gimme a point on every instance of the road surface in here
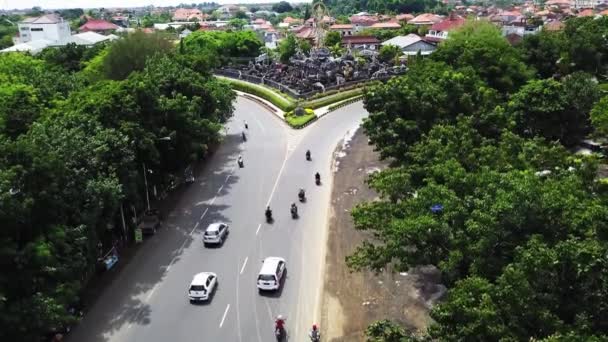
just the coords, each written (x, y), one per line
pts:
(148, 301)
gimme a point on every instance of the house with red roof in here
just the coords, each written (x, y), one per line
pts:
(189, 14)
(344, 29)
(425, 19)
(586, 13)
(361, 22)
(99, 26)
(361, 42)
(389, 25)
(404, 17)
(440, 30)
(293, 21)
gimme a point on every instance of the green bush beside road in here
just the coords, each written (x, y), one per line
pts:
(296, 121)
(276, 99)
(326, 101)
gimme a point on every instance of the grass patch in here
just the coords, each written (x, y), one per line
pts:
(603, 87)
(296, 121)
(327, 100)
(285, 104)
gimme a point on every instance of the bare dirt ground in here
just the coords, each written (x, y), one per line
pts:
(353, 300)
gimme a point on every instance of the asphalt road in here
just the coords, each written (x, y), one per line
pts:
(148, 300)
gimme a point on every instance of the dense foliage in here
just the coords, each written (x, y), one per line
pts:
(482, 187)
(213, 47)
(71, 153)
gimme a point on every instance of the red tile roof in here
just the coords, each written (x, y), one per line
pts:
(290, 20)
(360, 40)
(426, 18)
(387, 25)
(305, 33)
(363, 20)
(98, 25)
(404, 17)
(448, 24)
(586, 13)
(341, 27)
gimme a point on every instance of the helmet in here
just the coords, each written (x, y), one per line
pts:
(314, 327)
(280, 317)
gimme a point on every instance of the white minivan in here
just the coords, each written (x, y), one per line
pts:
(271, 274)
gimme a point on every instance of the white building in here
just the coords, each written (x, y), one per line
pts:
(48, 27)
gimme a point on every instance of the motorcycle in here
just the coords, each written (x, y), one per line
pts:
(318, 179)
(268, 215)
(308, 155)
(279, 333)
(294, 212)
(240, 161)
(314, 337)
(244, 137)
(302, 196)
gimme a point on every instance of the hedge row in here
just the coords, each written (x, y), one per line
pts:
(335, 91)
(344, 103)
(325, 101)
(284, 104)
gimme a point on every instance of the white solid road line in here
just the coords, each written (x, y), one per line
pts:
(227, 178)
(220, 189)
(276, 183)
(204, 213)
(193, 229)
(258, 230)
(224, 317)
(213, 200)
(244, 264)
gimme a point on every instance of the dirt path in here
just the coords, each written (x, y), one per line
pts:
(351, 301)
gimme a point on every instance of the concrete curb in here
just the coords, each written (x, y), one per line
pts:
(265, 103)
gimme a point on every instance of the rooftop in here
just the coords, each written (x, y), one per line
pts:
(360, 40)
(403, 41)
(448, 24)
(44, 19)
(98, 25)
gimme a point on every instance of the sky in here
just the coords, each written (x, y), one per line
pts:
(11, 4)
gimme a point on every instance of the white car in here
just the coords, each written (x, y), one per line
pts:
(215, 233)
(272, 273)
(202, 286)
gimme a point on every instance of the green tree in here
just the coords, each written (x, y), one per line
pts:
(555, 110)
(287, 48)
(388, 53)
(304, 45)
(481, 45)
(131, 53)
(237, 24)
(19, 108)
(282, 7)
(543, 51)
(408, 106)
(241, 15)
(599, 117)
(332, 38)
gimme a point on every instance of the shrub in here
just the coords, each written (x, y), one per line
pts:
(284, 104)
(296, 121)
(327, 100)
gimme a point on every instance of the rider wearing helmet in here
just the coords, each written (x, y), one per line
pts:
(314, 333)
(280, 322)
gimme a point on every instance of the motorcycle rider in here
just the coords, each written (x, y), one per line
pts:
(279, 323)
(244, 136)
(307, 154)
(268, 212)
(246, 125)
(318, 177)
(294, 208)
(301, 194)
(240, 160)
(314, 334)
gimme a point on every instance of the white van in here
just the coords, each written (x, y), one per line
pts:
(271, 274)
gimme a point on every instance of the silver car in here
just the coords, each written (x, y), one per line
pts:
(215, 234)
